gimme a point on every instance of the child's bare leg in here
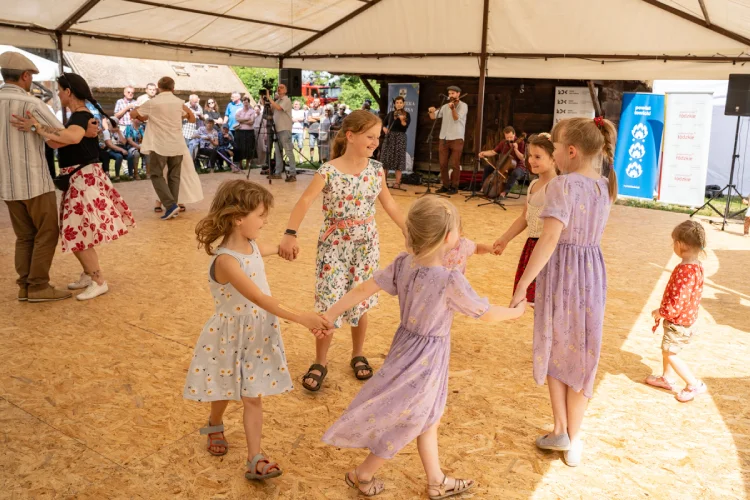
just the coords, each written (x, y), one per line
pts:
(216, 418)
(365, 472)
(558, 398)
(682, 369)
(427, 444)
(669, 372)
(252, 419)
(358, 341)
(576, 405)
(321, 357)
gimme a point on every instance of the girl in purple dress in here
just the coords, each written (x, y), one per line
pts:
(572, 281)
(406, 398)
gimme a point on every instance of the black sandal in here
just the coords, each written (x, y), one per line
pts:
(364, 368)
(318, 379)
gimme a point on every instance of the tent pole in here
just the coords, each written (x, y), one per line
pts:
(594, 99)
(482, 80)
(60, 61)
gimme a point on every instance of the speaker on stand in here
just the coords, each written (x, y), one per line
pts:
(292, 78)
(738, 104)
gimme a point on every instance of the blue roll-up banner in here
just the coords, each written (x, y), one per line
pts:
(410, 93)
(639, 144)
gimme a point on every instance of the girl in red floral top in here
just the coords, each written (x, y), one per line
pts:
(679, 310)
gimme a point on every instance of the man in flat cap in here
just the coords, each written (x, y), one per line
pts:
(452, 131)
(25, 182)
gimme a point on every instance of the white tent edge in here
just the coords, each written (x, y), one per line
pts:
(323, 50)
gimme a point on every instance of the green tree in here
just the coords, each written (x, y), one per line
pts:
(253, 77)
(354, 92)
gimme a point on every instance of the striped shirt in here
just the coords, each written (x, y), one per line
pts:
(23, 167)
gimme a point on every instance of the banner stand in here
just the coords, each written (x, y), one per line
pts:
(638, 144)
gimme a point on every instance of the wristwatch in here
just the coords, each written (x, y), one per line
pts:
(291, 232)
(33, 128)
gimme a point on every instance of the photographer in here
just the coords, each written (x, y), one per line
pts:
(282, 118)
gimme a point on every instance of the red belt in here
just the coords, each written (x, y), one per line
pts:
(334, 224)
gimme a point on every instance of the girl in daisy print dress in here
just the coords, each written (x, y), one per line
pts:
(240, 354)
(348, 244)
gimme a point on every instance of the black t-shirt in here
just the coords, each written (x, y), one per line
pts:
(86, 151)
(395, 123)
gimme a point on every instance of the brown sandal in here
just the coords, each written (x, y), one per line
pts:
(318, 379)
(364, 367)
(213, 441)
(372, 487)
(461, 486)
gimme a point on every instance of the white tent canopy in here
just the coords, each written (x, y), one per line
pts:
(580, 39)
(48, 70)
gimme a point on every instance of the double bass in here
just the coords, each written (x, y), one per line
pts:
(491, 186)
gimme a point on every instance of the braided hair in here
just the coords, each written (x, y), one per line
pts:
(79, 88)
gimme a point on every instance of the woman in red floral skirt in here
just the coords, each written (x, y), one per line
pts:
(92, 211)
(540, 159)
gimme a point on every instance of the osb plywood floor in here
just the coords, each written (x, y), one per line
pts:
(90, 393)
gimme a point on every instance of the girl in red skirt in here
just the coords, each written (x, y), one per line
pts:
(540, 150)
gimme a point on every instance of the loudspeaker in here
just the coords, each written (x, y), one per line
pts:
(292, 78)
(738, 96)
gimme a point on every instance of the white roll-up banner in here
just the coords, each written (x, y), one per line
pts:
(687, 133)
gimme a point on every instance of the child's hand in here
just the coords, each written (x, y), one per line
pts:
(521, 308)
(656, 315)
(499, 246)
(321, 334)
(288, 248)
(483, 248)
(518, 298)
(314, 322)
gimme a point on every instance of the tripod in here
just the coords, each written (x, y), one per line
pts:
(429, 164)
(728, 188)
(473, 183)
(270, 137)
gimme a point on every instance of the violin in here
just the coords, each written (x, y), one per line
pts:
(453, 101)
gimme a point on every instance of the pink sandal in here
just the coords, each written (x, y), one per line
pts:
(659, 382)
(689, 392)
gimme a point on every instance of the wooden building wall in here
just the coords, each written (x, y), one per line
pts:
(528, 109)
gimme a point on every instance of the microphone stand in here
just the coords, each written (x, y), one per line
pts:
(429, 164)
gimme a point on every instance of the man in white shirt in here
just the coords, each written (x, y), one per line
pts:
(25, 182)
(164, 143)
(451, 138)
(282, 120)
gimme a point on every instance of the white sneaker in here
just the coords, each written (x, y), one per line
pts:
(93, 290)
(83, 282)
(572, 457)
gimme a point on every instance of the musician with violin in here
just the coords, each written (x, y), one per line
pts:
(515, 149)
(452, 131)
(393, 154)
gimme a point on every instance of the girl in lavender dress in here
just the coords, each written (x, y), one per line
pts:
(572, 280)
(406, 398)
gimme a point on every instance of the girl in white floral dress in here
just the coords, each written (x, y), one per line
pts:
(240, 354)
(348, 245)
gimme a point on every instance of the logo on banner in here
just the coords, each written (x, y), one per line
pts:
(639, 132)
(637, 151)
(634, 170)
